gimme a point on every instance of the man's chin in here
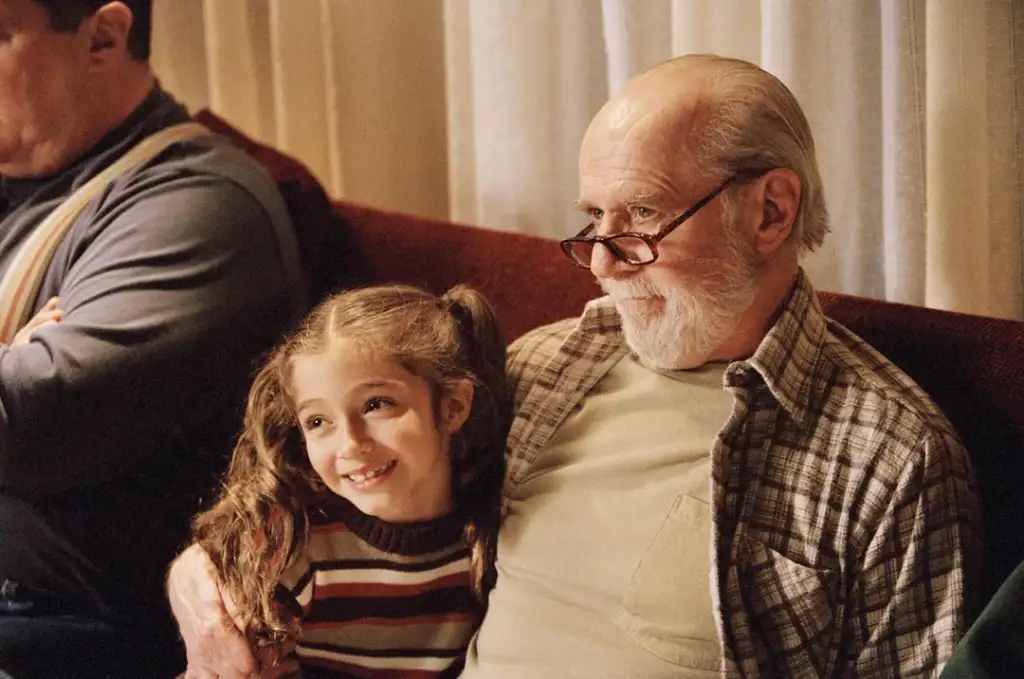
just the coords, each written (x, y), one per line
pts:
(662, 348)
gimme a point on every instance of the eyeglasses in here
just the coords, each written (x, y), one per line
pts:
(632, 247)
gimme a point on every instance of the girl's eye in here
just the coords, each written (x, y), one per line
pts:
(314, 422)
(377, 403)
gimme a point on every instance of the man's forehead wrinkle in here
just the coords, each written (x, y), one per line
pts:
(640, 144)
(630, 119)
(639, 135)
(631, 185)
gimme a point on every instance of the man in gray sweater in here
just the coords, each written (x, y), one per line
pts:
(116, 414)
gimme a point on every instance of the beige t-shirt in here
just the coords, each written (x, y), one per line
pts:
(604, 557)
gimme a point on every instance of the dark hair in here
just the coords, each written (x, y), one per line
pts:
(67, 15)
(259, 524)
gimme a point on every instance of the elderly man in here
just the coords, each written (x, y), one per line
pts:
(119, 399)
(707, 478)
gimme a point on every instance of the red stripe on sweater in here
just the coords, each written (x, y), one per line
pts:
(453, 617)
(389, 590)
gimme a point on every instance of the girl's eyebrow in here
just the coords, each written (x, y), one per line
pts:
(307, 403)
(361, 386)
(380, 382)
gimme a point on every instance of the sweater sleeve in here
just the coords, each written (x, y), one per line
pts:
(169, 295)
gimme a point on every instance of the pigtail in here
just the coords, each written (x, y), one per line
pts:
(258, 524)
(478, 451)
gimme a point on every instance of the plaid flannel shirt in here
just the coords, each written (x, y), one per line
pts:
(843, 506)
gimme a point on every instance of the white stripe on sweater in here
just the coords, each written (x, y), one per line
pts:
(394, 663)
(386, 576)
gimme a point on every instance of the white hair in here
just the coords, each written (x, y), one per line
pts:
(753, 123)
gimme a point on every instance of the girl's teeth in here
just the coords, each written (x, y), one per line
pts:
(360, 478)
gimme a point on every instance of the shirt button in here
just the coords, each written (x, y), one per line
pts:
(739, 376)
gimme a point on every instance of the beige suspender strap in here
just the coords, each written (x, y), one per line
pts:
(20, 284)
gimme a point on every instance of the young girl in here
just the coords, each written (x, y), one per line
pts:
(360, 509)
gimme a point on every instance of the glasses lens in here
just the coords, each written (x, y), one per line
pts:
(579, 251)
(632, 249)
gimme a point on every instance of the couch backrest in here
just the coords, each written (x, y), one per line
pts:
(527, 278)
(972, 366)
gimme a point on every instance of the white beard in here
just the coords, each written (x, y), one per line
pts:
(691, 321)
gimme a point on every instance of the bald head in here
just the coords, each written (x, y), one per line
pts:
(656, 112)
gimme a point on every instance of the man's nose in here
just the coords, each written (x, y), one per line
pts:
(605, 265)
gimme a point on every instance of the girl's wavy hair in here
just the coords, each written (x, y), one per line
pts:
(259, 523)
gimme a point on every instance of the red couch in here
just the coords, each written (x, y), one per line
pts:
(972, 366)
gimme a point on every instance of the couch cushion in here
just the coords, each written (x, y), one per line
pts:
(307, 202)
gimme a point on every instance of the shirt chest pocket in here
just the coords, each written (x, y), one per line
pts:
(791, 607)
(666, 608)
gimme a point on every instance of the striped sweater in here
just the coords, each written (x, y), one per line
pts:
(379, 600)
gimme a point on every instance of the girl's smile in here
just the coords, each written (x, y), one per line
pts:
(366, 478)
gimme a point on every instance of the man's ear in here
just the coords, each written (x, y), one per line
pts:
(778, 199)
(109, 27)
(455, 406)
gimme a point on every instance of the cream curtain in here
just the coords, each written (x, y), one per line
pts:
(354, 88)
(473, 110)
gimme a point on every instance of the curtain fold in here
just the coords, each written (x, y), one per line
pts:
(904, 150)
(474, 109)
(534, 81)
(728, 27)
(354, 89)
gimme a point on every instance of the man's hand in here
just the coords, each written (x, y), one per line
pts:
(214, 646)
(48, 315)
(279, 661)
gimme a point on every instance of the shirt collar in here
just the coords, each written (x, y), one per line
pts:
(600, 318)
(787, 358)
